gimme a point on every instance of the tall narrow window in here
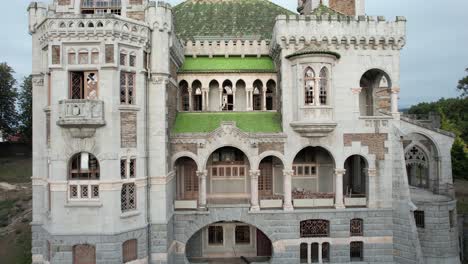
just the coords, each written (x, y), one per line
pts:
(71, 57)
(184, 97)
(323, 86)
(129, 250)
(83, 57)
(128, 197)
(132, 60)
(303, 253)
(417, 167)
(419, 219)
(309, 79)
(109, 53)
(326, 252)
(356, 251)
(123, 59)
(127, 86)
(452, 218)
(215, 235)
(56, 54)
(95, 57)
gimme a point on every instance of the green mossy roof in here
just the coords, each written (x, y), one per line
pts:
(227, 19)
(251, 122)
(231, 64)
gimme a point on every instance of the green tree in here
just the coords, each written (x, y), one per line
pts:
(463, 85)
(25, 106)
(8, 115)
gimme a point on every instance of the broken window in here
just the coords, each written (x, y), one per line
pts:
(84, 85)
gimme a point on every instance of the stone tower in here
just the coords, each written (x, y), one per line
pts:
(349, 7)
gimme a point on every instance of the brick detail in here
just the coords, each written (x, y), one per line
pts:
(375, 142)
(128, 130)
(262, 147)
(109, 53)
(185, 147)
(383, 99)
(63, 2)
(137, 15)
(347, 7)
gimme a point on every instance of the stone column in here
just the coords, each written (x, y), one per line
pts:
(254, 174)
(205, 99)
(264, 100)
(317, 91)
(395, 93)
(320, 253)
(287, 188)
(190, 100)
(202, 189)
(371, 188)
(220, 103)
(249, 99)
(339, 188)
(233, 99)
(357, 109)
(309, 253)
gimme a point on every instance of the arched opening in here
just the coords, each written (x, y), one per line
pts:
(309, 86)
(197, 96)
(355, 178)
(227, 99)
(313, 178)
(184, 96)
(229, 242)
(83, 177)
(323, 83)
(270, 180)
(228, 177)
(271, 95)
(375, 95)
(422, 163)
(213, 102)
(241, 96)
(257, 95)
(186, 179)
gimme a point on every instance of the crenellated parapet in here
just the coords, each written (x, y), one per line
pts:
(339, 32)
(219, 47)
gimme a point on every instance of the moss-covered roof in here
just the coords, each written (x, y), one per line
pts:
(251, 122)
(227, 19)
(231, 64)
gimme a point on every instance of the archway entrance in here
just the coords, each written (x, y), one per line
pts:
(355, 178)
(186, 179)
(229, 242)
(375, 94)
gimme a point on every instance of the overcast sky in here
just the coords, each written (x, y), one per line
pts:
(432, 62)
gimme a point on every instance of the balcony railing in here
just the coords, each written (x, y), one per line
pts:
(101, 4)
(81, 113)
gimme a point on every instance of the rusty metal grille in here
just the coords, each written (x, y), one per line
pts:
(84, 254)
(128, 197)
(315, 228)
(356, 251)
(242, 235)
(123, 168)
(132, 172)
(76, 82)
(129, 250)
(132, 61)
(123, 59)
(94, 191)
(356, 227)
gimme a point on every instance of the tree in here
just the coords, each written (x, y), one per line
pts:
(25, 106)
(8, 115)
(463, 85)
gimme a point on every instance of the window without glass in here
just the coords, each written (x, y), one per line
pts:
(127, 87)
(323, 86)
(84, 166)
(356, 251)
(309, 86)
(419, 219)
(129, 250)
(128, 197)
(215, 235)
(242, 235)
(417, 167)
(84, 85)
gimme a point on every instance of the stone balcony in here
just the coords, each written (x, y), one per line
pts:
(81, 116)
(315, 121)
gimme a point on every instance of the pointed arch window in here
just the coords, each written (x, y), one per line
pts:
(309, 89)
(323, 86)
(417, 167)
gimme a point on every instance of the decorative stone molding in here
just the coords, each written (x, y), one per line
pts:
(254, 174)
(38, 80)
(395, 90)
(372, 172)
(313, 129)
(375, 142)
(356, 90)
(82, 117)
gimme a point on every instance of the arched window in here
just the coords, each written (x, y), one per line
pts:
(417, 167)
(356, 227)
(270, 95)
(71, 57)
(130, 250)
(323, 86)
(95, 56)
(83, 56)
(197, 96)
(257, 95)
(83, 176)
(309, 86)
(184, 96)
(227, 103)
(315, 228)
(128, 197)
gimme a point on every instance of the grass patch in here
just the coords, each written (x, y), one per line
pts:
(15, 169)
(16, 247)
(252, 122)
(5, 209)
(206, 64)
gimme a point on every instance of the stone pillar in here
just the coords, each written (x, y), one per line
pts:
(371, 188)
(233, 99)
(317, 91)
(264, 100)
(220, 104)
(287, 188)
(205, 99)
(190, 100)
(309, 253)
(339, 188)
(202, 189)
(395, 93)
(249, 99)
(254, 174)
(357, 109)
(320, 253)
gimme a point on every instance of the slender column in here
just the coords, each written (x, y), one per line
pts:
(202, 189)
(206, 103)
(287, 188)
(254, 174)
(264, 100)
(249, 99)
(371, 187)
(395, 93)
(320, 253)
(190, 100)
(309, 253)
(339, 188)
(233, 99)
(356, 93)
(317, 92)
(220, 104)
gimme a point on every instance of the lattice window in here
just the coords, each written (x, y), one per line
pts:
(242, 235)
(309, 86)
(419, 219)
(129, 250)
(84, 191)
(84, 85)
(127, 87)
(356, 227)
(123, 59)
(128, 197)
(132, 60)
(356, 251)
(323, 86)
(123, 168)
(326, 252)
(315, 228)
(215, 235)
(94, 191)
(132, 169)
(73, 191)
(84, 254)
(76, 85)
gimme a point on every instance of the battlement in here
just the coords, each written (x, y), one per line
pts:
(227, 47)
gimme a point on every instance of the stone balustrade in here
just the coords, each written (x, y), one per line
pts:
(81, 113)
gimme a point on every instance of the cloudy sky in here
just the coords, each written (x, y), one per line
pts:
(432, 62)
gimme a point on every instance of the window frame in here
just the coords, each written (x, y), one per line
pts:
(359, 245)
(127, 246)
(309, 224)
(125, 202)
(125, 88)
(216, 235)
(247, 239)
(420, 218)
